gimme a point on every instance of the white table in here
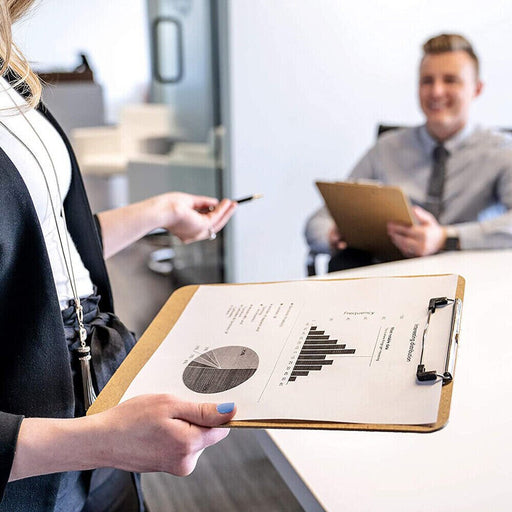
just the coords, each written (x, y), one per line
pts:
(466, 466)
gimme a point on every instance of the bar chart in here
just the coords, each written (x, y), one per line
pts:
(317, 352)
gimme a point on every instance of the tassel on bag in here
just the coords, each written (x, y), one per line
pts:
(84, 356)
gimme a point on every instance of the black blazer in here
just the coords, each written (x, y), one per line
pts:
(35, 376)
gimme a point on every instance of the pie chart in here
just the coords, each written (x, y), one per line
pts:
(220, 369)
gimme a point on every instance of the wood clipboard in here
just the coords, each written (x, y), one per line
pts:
(361, 212)
(157, 331)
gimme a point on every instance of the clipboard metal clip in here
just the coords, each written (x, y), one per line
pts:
(424, 375)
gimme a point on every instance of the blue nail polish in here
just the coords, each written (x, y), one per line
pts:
(226, 408)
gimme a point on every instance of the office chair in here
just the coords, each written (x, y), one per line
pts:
(382, 128)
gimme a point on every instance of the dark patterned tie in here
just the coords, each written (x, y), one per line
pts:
(434, 203)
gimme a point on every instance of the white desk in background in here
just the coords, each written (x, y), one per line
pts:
(466, 466)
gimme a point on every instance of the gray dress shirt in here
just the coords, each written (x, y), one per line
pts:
(477, 198)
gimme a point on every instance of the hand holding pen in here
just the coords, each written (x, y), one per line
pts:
(212, 208)
(212, 232)
(237, 201)
(193, 218)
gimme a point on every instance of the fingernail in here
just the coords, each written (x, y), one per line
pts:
(226, 408)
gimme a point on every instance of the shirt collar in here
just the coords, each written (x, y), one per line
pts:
(454, 142)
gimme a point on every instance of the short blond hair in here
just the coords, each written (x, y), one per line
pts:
(12, 58)
(451, 43)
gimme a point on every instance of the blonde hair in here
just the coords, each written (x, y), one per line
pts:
(13, 59)
(451, 43)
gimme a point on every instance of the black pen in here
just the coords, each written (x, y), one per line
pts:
(248, 198)
(241, 200)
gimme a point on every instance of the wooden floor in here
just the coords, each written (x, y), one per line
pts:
(232, 476)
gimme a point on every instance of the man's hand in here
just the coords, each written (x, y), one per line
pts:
(336, 242)
(422, 239)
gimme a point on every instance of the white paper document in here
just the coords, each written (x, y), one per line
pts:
(344, 350)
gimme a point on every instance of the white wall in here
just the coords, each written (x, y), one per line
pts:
(113, 33)
(309, 81)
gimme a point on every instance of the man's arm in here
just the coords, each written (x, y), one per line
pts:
(429, 237)
(188, 217)
(488, 234)
(494, 231)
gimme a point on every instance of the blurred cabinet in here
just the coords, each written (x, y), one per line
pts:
(149, 175)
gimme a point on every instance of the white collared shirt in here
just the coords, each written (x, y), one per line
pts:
(477, 198)
(43, 187)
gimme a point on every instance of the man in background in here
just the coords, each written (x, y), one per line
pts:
(457, 176)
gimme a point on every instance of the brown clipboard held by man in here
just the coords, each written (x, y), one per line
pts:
(361, 212)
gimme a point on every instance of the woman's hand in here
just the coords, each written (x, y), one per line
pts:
(160, 433)
(193, 218)
(146, 433)
(187, 216)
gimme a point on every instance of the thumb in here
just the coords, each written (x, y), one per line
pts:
(423, 216)
(205, 415)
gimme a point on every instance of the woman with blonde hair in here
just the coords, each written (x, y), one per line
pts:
(60, 341)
